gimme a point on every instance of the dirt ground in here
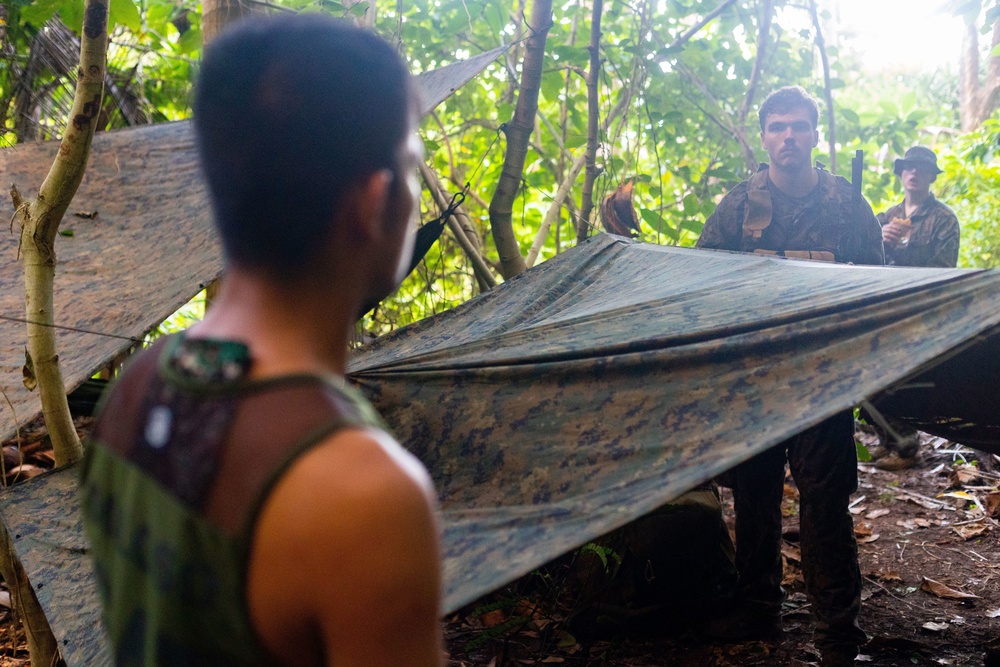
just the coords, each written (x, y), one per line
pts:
(929, 550)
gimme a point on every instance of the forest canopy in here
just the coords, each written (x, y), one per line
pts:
(675, 85)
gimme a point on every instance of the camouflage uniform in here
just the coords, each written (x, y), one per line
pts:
(823, 459)
(818, 221)
(933, 242)
(934, 236)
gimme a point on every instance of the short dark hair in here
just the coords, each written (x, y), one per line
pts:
(788, 99)
(289, 112)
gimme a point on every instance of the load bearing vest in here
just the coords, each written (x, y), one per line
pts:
(757, 214)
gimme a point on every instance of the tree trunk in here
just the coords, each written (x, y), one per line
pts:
(217, 14)
(518, 132)
(593, 123)
(42, 646)
(969, 78)
(827, 88)
(39, 222)
(978, 99)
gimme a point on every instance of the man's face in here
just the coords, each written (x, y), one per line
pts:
(917, 178)
(789, 139)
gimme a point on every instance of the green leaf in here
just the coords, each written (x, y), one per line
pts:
(721, 173)
(190, 41)
(996, 51)
(692, 225)
(124, 12)
(552, 86)
(573, 55)
(66, 232)
(863, 454)
(71, 13)
(850, 116)
(836, 83)
(359, 9)
(37, 13)
(505, 111)
(494, 15)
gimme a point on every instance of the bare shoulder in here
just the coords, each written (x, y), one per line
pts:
(352, 528)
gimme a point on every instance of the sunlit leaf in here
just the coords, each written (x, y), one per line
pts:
(126, 13)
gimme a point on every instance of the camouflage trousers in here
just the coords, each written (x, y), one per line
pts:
(823, 462)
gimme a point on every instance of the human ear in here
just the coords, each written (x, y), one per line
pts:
(369, 201)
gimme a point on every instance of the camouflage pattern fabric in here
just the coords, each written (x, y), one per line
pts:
(603, 383)
(43, 516)
(934, 236)
(819, 221)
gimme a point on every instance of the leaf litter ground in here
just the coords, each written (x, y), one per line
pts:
(929, 549)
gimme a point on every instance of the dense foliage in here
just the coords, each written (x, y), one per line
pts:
(677, 119)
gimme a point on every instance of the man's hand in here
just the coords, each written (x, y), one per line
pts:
(896, 231)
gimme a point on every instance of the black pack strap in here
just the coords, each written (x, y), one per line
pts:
(430, 232)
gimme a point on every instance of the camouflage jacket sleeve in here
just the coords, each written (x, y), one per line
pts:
(724, 228)
(944, 238)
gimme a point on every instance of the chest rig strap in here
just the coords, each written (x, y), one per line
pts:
(757, 213)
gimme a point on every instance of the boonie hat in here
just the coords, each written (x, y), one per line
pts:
(915, 156)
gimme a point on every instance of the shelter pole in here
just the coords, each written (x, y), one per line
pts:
(479, 266)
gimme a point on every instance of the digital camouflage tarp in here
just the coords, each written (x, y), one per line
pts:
(607, 381)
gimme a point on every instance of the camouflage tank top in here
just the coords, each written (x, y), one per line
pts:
(183, 453)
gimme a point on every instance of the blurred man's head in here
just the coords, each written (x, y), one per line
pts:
(301, 120)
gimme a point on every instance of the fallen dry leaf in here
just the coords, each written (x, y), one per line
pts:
(26, 471)
(870, 538)
(935, 627)
(991, 501)
(791, 553)
(942, 591)
(493, 618)
(888, 575)
(874, 514)
(993, 613)
(970, 530)
(862, 530)
(963, 474)
(914, 524)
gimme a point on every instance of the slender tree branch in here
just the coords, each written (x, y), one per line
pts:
(723, 120)
(555, 207)
(686, 36)
(593, 119)
(758, 61)
(827, 88)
